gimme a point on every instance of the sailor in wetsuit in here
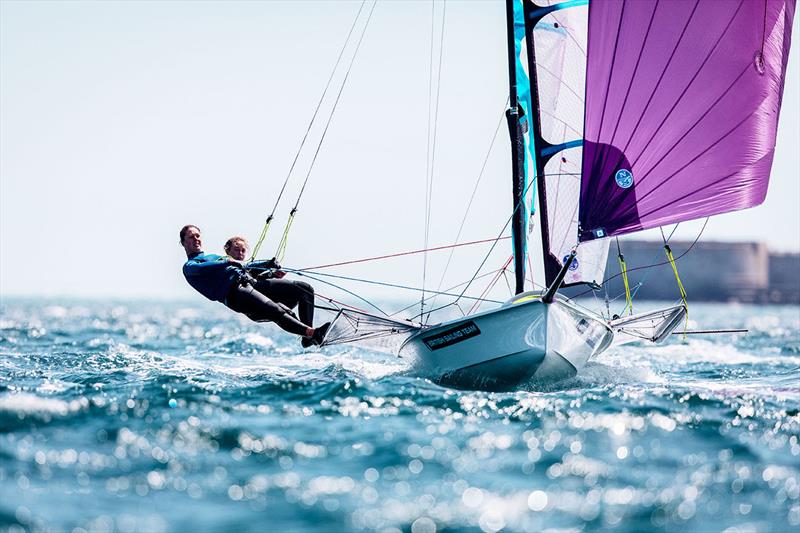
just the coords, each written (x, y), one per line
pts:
(269, 281)
(224, 279)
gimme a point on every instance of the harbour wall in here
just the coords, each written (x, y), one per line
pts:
(711, 271)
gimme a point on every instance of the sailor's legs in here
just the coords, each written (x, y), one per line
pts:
(245, 299)
(291, 294)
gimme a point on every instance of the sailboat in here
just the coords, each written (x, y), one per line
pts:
(623, 116)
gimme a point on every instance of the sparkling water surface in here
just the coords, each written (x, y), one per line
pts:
(180, 416)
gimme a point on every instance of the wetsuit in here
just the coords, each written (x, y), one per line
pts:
(291, 294)
(218, 279)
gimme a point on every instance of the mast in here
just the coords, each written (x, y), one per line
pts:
(530, 151)
(515, 129)
(542, 149)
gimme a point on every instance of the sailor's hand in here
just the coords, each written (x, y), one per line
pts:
(270, 274)
(273, 263)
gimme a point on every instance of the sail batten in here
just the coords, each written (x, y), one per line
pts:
(682, 110)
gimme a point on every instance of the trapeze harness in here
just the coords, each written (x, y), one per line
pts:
(261, 299)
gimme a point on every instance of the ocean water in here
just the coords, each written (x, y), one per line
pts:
(182, 417)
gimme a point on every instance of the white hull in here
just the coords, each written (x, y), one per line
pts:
(524, 340)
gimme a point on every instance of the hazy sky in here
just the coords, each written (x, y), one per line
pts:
(122, 121)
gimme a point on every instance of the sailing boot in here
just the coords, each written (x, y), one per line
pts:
(319, 333)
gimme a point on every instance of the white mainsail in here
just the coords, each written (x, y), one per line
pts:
(560, 45)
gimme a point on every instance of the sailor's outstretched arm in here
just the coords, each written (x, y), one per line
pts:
(269, 264)
(200, 268)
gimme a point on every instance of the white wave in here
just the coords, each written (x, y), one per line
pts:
(55, 311)
(738, 389)
(696, 351)
(371, 365)
(51, 386)
(259, 340)
(29, 404)
(607, 371)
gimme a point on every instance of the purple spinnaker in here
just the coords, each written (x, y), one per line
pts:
(682, 103)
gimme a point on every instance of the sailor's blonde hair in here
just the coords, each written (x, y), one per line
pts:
(233, 240)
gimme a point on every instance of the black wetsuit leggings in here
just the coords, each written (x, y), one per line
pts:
(272, 300)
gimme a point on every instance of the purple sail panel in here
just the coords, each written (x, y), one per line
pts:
(682, 102)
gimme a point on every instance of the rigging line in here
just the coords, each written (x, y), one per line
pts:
(530, 270)
(472, 197)
(505, 278)
(343, 306)
(406, 308)
(400, 254)
(428, 155)
(569, 31)
(578, 134)
(654, 264)
(351, 293)
(671, 233)
(433, 149)
(491, 284)
(560, 81)
(436, 107)
(508, 221)
(624, 271)
(681, 288)
(305, 136)
(330, 118)
(371, 282)
(641, 282)
(339, 305)
(621, 294)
